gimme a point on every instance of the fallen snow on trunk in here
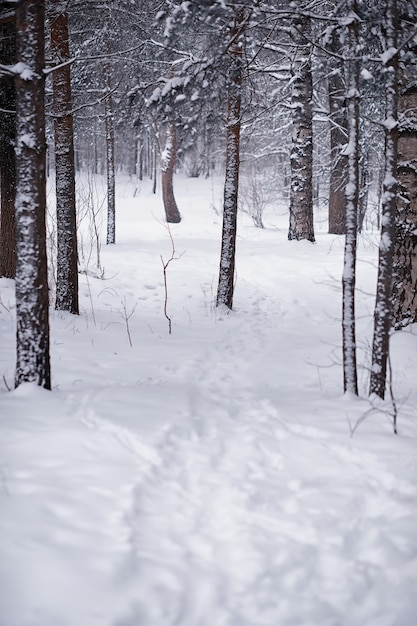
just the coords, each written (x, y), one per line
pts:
(208, 477)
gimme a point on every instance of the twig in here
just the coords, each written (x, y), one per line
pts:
(91, 299)
(126, 316)
(165, 267)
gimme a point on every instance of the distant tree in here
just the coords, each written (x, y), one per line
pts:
(110, 159)
(168, 161)
(301, 189)
(220, 63)
(32, 319)
(67, 258)
(7, 143)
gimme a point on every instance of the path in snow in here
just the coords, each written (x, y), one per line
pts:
(233, 529)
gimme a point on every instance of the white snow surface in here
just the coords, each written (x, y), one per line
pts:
(216, 476)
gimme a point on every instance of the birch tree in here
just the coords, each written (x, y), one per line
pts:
(32, 319)
(110, 160)
(231, 185)
(301, 188)
(350, 376)
(384, 302)
(67, 257)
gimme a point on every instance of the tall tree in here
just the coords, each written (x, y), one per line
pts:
(384, 303)
(111, 171)
(301, 189)
(338, 137)
(350, 375)
(231, 185)
(405, 258)
(109, 125)
(67, 257)
(32, 319)
(7, 141)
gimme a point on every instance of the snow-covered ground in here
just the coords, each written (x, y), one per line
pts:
(215, 476)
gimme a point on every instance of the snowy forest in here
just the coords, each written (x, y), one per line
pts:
(208, 309)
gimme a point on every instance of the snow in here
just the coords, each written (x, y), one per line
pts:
(217, 475)
(390, 123)
(388, 55)
(23, 70)
(366, 74)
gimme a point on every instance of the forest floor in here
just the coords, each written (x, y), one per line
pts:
(215, 476)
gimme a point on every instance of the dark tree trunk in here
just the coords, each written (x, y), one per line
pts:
(350, 376)
(405, 258)
(231, 185)
(363, 189)
(384, 306)
(67, 256)
(172, 213)
(338, 138)
(32, 320)
(301, 188)
(7, 146)
(154, 170)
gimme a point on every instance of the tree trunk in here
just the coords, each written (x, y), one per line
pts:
(67, 256)
(405, 258)
(301, 188)
(231, 185)
(363, 189)
(350, 376)
(7, 151)
(383, 306)
(338, 137)
(32, 320)
(169, 156)
(111, 178)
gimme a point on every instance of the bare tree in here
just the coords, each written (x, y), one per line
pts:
(301, 189)
(110, 143)
(32, 319)
(384, 303)
(350, 375)
(405, 257)
(67, 259)
(111, 177)
(231, 185)
(338, 137)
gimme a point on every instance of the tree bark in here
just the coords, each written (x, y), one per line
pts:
(32, 320)
(67, 255)
(111, 178)
(225, 289)
(405, 257)
(7, 146)
(338, 138)
(384, 305)
(169, 157)
(350, 376)
(301, 187)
